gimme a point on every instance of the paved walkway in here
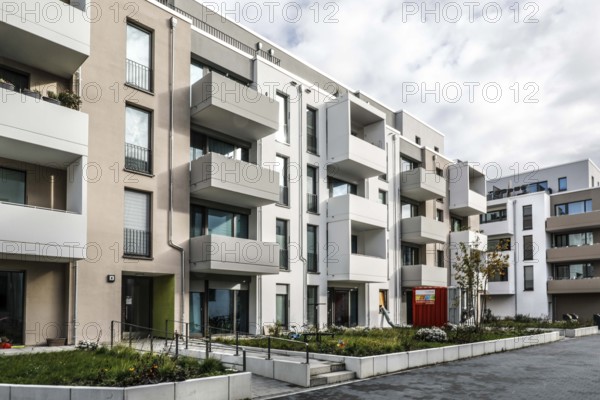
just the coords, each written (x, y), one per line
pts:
(569, 369)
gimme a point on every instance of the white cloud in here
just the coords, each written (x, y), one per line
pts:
(378, 48)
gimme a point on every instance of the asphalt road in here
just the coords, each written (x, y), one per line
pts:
(569, 369)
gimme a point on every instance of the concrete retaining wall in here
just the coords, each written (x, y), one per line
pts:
(225, 387)
(590, 330)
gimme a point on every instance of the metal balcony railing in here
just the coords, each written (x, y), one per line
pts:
(139, 75)
(138, 158)
(312, 202)
(137, 243)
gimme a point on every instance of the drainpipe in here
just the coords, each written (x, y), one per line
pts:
(74, 302)
(301, 207)
(171, 129)
(515, 260)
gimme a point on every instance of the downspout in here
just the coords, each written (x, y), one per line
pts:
(397, 235)
(514, 221)
(170, 213)
(301, 208)
(75, 302)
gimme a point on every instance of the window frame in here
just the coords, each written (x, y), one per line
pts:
(149, 221)
(382, 196)
(312, 190)
(283, 252)
(311, 110)
(528, 248)
(315, 255)
(284, 176)
(562, 180)
(527, 217)
(528, 284)
(19, 171)
(286, 113)
(150, 136)
(286, 311)
(150, 32)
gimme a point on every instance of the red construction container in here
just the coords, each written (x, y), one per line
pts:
(430, 306)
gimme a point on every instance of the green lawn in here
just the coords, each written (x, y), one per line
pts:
(103, 367)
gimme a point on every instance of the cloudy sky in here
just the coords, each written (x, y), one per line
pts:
(507, 82)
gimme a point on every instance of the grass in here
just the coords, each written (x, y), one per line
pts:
(119, 367)
(367, 342)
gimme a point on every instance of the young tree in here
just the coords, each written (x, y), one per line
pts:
(473, 269)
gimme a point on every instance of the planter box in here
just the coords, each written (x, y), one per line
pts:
(590, 330)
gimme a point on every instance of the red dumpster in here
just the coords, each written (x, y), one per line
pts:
(430, 306)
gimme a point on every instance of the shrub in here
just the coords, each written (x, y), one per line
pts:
(70, 100)
(431, 335)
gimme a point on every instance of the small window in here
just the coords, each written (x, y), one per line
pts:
(312, 197)
(439, 172)
(281, 236)
(312, 305)
(562, 184)
(592, 181)
(440, 258)
(281, 305)
(354, 244)
(311, 130)
(282, 135)
(439, 215)
(312, 248)
(383, 177)
(417, 140)
(383, 197)
(528, 278)
(282, 167)
(437, 149)
(455, 224)
(527, 218)
(528, 247)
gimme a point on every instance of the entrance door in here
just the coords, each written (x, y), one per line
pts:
(409, 307)
(342, 307)
(12, 300)
(137, 303)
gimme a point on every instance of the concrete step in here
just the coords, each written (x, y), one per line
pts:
(325, 367)
(332, 377)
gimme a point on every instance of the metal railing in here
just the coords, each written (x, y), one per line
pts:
(145, 338)
(137, 243)
(139, 75)
(138, 158)
(312, 202)
(284, 195)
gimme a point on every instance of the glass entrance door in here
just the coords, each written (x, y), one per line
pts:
(137, 303)
(12, 300)
(342, 307)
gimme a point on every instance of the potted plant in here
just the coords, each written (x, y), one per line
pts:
(70, 100)
(6, 84)
(51, 97)
(36, 94)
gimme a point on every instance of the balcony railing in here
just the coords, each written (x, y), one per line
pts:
(312, 261)
(139, 75)
(284, 259)
(312, 202)
(137, 243)
(311, 143)
(284, 195)
(138, 158)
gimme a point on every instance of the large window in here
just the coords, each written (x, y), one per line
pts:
(12, 186)
(210, 221)
(138, 154)
(574, 271)
(408, 164)
(201, 144)
(528, 277)
(281, 233)
(12, 305)
(283, 134)
(312, 197)
(527, 218)
(19, 79)
(576, 207)
(409, 210)
(410, 255)
(573, 239)
(138, 237)
(311, 130)
(139, 57)
(282, 305)
(455, 224)
(312, 305)
(340, 188)
(562, 184)
(312, 248)
(502, 244)
(500, 277)
(528, 247)
(282, 167)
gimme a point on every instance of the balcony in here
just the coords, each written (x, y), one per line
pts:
(224, 105)
(501, 227)
(424, 275)
(422, 185)
(361, 156)
(572, 286)
(51, 35)
(562, 223)
(38, 132)
(233, 256)
(467, 190)
(502, 288)
(357, 268)
(468, 237)
(574, 253)
(224, 180)
(423, 230)
(363, 213)
(471, 203)
(41, 234)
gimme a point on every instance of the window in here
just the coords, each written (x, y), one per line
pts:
(311, 130)
(500, 277)
(139, 57)
(573, 239)
(493, 216)
(503, 244)
(281, 233)
(383, 298)
(528, 278)
(138, 238)
(12, 186)
(576, 207)
(383, 177)
(312, 180)
(19, 79)
(196, 72)
(201, 144)
(562, 184)
(409, 210)
(417, 140)
(282, 167)
(527, 218)
(439, 172)
(574, 271)
(210, 221)
(407, 164)
(340, 188)
(312, 248)
(354, 244)
(528, 247)
(383, 197)
(592, 181)
(138, 155)
(440, 258)
(281, 303)
(282, 135)
(439, 215)
(410, 255)
(436, 149)
(312, 305)
(455, 224)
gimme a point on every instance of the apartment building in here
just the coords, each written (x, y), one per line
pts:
(544, 220)
(209, 177)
